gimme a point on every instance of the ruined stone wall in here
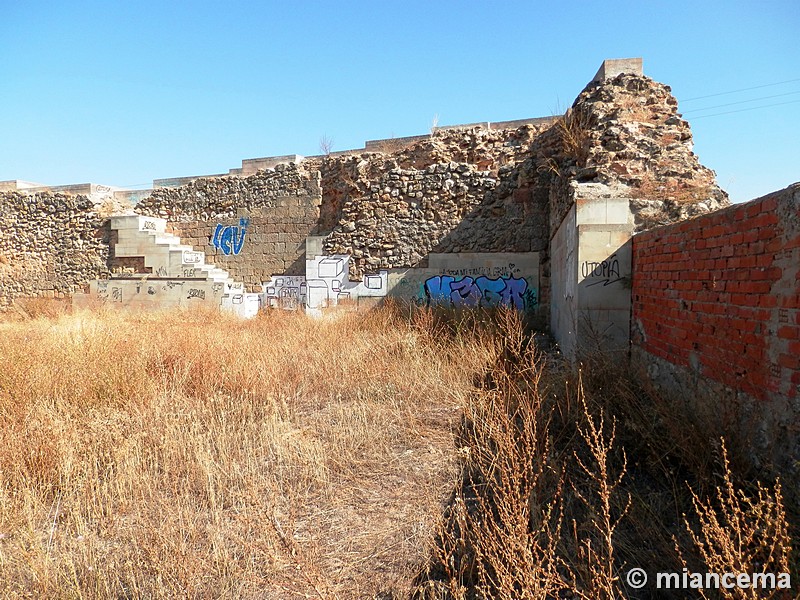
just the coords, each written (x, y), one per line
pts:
(490, 191)
(51, 245)
(624, 132)
(253, 227)
(631, 133)
(443, 208)
(453, 191)
(470, 191)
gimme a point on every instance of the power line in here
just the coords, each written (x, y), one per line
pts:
(745, 109)
(755, 87)
(744, 101)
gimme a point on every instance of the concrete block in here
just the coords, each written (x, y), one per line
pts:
(564, 284)
(612, 67)
(138, 223)
(603, 211)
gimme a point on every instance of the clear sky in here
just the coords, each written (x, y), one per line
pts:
(124, 93)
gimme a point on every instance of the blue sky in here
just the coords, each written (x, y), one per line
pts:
(123, 93)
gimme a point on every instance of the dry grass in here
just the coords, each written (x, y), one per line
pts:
(194, 455)
(175, 455)
(573, 129)
(25, 309)
(741, 534)
(666, 189)
(569, 480)
(633, 108)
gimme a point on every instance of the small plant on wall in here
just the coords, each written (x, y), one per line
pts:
(325, 145)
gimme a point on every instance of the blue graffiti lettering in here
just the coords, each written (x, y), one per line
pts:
(230, 238)
(514, 293)
(492, 290)
(466, 292)
(437, 289)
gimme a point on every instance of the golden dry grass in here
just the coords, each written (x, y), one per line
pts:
(430, 455)
(192, 455)
(560, 494)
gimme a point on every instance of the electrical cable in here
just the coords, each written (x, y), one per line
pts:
(743, 101)
(755, 87)
(745, 109)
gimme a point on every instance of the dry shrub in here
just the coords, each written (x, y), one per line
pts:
(737, 533)
(503, 534)
(601, 577)
(497, 537)
(573, 129)
(570, 478)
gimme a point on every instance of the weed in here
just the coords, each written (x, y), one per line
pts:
(548, 504)
(573, 129)
(740, 534)
(144, 458)
(179, 455)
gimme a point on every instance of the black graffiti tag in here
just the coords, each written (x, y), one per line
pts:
(606, 272)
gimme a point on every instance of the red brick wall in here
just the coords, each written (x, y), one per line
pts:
(719, 295)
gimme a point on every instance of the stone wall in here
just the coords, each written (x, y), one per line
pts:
(250, 226)
(466, 190)
(447, 207)
(452, 191)
(623, 157)
(51, 245)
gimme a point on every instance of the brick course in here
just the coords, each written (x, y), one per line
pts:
(718, 294)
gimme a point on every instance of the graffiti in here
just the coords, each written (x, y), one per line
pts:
(606, 272)
(195, 293)
(332, 267)
(463, 292)
(151, 290)
(325, 284)
(190, 257)
(116, 294)
(328, 283)
(493, 272)
(161, 271)
(189, 272)
(230, 238)
(467, 292)
(373, 282)
(287, 292)
(172, 284)
(148, 226)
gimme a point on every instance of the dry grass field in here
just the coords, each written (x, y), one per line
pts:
(167, 456)
(378, 455)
